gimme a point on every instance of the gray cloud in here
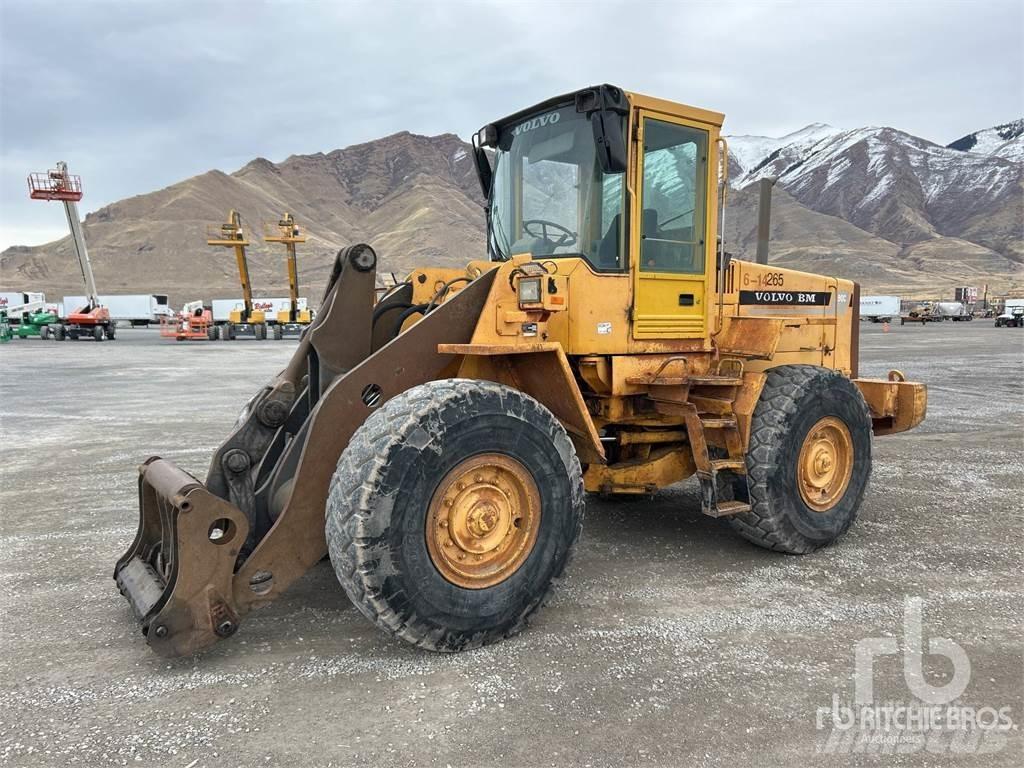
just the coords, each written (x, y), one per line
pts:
(138, 95)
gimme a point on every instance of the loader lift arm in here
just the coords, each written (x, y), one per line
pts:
(261, 508)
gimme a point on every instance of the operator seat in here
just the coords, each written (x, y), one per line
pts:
(608, 248)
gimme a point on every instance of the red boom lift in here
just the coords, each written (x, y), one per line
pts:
(92, 320)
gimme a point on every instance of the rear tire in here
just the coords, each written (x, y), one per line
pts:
(58, 332)
(111, 331)
(97, 333)
(278, 333)
(809, 424)
(396, 481)
(44, 332)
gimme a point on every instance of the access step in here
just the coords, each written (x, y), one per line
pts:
(718, 422)
(715, 381)
(731, 465)
(727, 508)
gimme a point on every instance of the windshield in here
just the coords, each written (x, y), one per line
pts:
(549, 196)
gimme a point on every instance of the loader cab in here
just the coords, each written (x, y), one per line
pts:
(624, 182)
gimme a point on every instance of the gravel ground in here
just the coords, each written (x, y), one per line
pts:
(672, 642)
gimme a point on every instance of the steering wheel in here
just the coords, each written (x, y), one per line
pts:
(565, 235)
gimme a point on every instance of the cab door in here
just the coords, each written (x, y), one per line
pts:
(670, 254)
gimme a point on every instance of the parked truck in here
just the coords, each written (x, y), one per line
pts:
(138, 309)
(879, 309)
(1012, 315)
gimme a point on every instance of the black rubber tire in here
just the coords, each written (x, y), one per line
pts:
(211, 333)
(112, 331)
(278, 333)
(44, 332)
(97, 332)
(58, 332)
(379, 499)
(794, 399)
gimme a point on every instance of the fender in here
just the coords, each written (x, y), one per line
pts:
(542, 371)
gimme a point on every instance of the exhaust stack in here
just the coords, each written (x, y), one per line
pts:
(764, 219)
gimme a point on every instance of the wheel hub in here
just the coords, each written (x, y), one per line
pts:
(825, 464)
(483, 521)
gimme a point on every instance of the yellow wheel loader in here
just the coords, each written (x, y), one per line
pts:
(439, 442)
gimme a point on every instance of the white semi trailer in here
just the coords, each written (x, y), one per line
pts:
(879, 309)
(11, 299)
(136, 308)
(270, 307)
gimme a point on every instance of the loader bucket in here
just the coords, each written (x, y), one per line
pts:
(208, 553)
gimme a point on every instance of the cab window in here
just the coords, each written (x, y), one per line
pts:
(673, 202)
(549, 195)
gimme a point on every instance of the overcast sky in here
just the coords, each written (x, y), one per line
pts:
(138, 95)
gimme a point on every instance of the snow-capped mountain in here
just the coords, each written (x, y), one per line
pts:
(747, 153)
(1006, 141)
(903, 188)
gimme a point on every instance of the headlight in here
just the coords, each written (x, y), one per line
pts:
(529, 290)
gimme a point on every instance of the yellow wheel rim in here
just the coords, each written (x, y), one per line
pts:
(483, 521)
(825, 464)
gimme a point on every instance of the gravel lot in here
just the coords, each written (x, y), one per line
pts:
(672, 642)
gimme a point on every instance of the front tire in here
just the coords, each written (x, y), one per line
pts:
(808, 460)
(453, 512)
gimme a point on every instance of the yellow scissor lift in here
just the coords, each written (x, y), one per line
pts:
(243, 321)
(292, 321)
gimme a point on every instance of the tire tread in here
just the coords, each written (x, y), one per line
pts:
(352, 500)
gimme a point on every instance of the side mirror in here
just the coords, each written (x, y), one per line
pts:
(480, 159)
(607, 108)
